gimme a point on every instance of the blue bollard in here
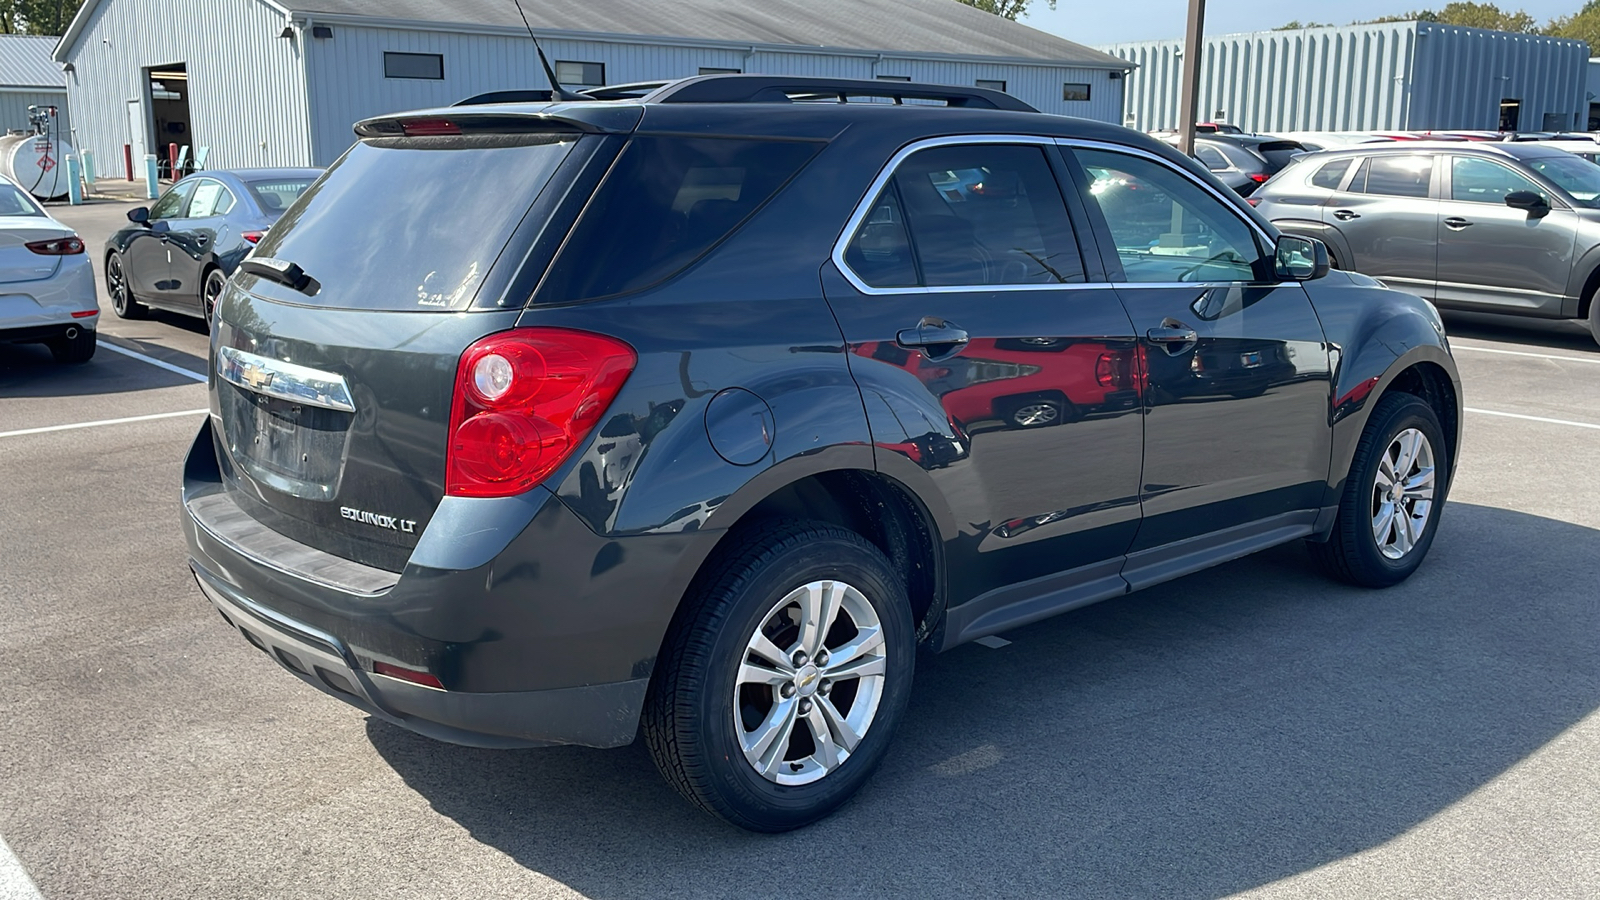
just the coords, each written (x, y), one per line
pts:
(88, 170)
(152, 185)
(74, 187)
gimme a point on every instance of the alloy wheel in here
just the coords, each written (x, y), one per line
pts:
(810, 683)
(215, 282)
(117, 285)
(1035, 414)
(1402, 493)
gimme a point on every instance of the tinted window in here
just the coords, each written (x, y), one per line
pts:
(664, 204)
(396, 225)
(1210, 158)
(276, 196)
(427, 66)
(880, 254)
(1483, 181)
(1075, 91)
(1576, 175)
(14, 202)
(210, 199)
(174, 202)
(1395, 176)
(1166, 227)
(1331, 174)
(987, 214)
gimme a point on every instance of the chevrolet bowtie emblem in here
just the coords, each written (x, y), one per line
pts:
(256, 377)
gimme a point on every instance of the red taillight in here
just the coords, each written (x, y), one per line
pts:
(429, 127)
(1259, 177)
(86, 313)
(1253, 201)
(1105, 374)
(415, 676)
(524, 401)
(254, 237)
(61, 246)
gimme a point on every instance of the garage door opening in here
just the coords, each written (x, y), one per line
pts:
(169, 113)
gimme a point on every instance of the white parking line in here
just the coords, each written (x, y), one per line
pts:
(1495, 412)
(14, 881)
(76, 425)
(160, 364)
(1580, 359)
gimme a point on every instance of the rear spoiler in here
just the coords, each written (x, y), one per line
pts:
(557, 118)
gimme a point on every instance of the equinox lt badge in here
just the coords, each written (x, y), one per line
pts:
(406, 526)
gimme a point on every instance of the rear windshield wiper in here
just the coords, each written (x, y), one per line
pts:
(283, 272)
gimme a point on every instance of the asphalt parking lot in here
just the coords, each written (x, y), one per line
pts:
(1254, 729)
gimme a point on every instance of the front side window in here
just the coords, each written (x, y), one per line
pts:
(1485, 181)
(1577, 175)
(987, 214)
(1167, 228)
(1394, 176)
(173, 203)
(586, 74)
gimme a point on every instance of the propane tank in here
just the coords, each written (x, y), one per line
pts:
(37, 163)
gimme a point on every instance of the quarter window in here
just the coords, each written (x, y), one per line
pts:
(1482, 181)
(426, 66)
(586, 74)
(1394, 176)
(1167, 228)
(988, 214)
(1331, 174)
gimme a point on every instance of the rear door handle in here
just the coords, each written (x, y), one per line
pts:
(1172, 335)
(1456, 223)
(935, 337)
(1345, 215)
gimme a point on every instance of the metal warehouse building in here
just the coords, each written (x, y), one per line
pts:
(28, 77)
(1402, 76)
(263, 82)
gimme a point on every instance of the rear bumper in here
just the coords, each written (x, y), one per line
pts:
(547, 636)
(45, 308)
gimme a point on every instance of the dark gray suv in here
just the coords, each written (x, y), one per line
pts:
(699, 412)
(1495, 227)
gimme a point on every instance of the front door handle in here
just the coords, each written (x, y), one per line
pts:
(1456, 223)
(935, 337)
(1172, 335)
(1345, 215)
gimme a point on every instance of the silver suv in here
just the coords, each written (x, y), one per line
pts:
(1505, 228)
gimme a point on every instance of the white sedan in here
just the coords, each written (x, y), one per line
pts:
(46, 285)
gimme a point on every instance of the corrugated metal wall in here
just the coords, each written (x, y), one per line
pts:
(247, 96)
(347, 81)
(1393, 76)
(14, 108)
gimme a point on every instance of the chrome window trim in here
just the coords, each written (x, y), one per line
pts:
(284, 380)
(864, 207)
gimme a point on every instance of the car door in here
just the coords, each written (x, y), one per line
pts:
(148, 255)
(194, 238)
(1386, 214)
(1237, 435)
(1494, 257)
(988, 358)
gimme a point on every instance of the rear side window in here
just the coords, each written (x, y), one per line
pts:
(1395, 176)
(410, 223)
(667, 201)
(1331, 174)
(1210, 158)
(987, 214)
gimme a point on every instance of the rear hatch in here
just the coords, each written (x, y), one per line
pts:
(1278, 152)
(332, 399)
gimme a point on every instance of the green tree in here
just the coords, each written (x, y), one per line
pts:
(1296, 24)
(1583, 25)
(1005, 9)
(36, 16)
(1468, 14)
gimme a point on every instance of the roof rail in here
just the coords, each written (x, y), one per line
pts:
(790, 88)
(631, 91)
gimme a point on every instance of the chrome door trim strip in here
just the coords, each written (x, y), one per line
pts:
(284, 380)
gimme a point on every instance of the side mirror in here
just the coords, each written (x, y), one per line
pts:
(1300, 258)
(1533, 204)
(139, 216)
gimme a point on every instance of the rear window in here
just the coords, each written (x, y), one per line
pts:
(276, 196)
(410, 223)
(667, 201)
(1331, 174)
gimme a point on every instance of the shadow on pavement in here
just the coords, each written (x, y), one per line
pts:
(1203, 737)
(1550, 334)
(28, 370)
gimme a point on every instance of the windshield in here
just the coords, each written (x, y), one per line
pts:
(13, 202)
(1578, 177)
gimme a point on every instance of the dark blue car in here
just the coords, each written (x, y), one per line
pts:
(177, 254)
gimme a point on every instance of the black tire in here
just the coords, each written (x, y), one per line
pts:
(1594, 315)
(121, 293)
(1352, 553)
(210, 292)
(689, 715)
(74, 350)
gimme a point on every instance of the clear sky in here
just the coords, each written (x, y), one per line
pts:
(1100, 22)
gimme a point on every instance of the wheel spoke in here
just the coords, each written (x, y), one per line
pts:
(861, 667)
(843, 734)
(853, 651)
(751, 673)
(1385, 477)
(1420, 485)
(1383, 524)
(765, 746)
(763, 647)
(1410, 443)
(1402, 532)
(818, 610)
(827, 754)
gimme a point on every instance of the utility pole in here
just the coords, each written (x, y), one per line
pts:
(1193, 42)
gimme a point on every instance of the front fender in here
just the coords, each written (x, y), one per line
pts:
(1582, 271)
